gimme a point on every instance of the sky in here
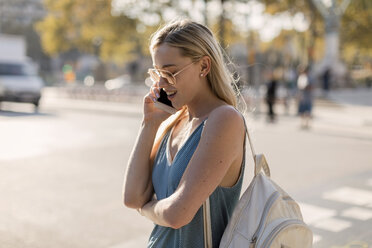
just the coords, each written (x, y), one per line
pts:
(245, 16)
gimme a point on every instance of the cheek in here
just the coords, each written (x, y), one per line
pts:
(190, 82)
(187, 87)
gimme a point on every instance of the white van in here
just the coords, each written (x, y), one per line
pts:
(18, 74)
(19, 82)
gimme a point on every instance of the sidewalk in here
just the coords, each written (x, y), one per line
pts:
(96, 100)
(341, 112)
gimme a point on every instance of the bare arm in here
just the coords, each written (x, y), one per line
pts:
(137, 187)
(220, 147)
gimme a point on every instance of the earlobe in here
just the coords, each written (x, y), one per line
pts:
(204, 73)
(205, 66)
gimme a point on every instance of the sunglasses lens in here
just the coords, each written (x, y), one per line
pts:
(156, 74)
(168, 77)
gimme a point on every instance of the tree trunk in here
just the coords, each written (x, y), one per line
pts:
(205, 14)
(332, 16)
(222, 25)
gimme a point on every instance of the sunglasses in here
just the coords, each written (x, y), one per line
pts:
(156, 74)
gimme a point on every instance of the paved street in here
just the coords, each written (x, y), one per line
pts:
(61, 171)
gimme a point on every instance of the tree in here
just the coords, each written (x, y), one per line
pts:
(88, 28)
(154, 12)
(356, 24)
(306, 7)
(332, 14)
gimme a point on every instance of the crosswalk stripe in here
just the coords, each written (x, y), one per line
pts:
(357, 213)
(350, 195)
(312, 214)
(325, 218)
(332, 224)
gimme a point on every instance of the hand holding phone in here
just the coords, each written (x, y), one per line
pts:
(164, 104)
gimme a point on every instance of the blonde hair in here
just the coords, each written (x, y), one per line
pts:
(195, 41)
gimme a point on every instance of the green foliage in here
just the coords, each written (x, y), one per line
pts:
(356, 27)
(82, 24)
(356, 22)
(88, 27)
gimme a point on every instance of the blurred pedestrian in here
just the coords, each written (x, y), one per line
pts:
(326, 81)
(290, 77)
(200, 153)
(271, 97)
(305, 98)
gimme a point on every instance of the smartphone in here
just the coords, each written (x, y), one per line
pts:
(163, 103)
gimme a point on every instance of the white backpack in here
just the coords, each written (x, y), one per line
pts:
(265, 216)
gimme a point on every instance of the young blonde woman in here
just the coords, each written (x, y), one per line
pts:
(200, 154)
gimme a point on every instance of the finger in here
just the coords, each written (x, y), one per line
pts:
(155, 83)
(155, 92)
(149, 98)
(152, 93)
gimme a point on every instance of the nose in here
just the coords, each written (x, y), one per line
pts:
(162, 82)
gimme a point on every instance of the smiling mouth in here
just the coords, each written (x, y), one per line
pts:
(170, 93)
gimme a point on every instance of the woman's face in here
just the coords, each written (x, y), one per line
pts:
(170, 59)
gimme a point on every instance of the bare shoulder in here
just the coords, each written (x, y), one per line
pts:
(226, 116)
(225, 121)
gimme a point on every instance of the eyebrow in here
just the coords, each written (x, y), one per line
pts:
(165, 66)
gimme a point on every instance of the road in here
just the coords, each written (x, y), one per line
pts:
(61, 172)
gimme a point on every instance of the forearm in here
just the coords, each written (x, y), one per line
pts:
(155, 211)
(137, 181)
(167, 212)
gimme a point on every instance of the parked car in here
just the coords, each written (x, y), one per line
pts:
(19, 82)
(118, 82)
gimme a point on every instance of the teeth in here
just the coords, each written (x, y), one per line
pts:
(170, 93)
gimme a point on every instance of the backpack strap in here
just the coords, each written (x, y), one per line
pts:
(259, 164)
(258, 159)
(207, 224)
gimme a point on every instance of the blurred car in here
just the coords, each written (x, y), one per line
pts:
(118, 82)
(19, 82)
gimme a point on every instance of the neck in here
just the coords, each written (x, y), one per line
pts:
(203, 104)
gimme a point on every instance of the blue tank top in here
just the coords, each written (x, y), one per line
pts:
(166, 177)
